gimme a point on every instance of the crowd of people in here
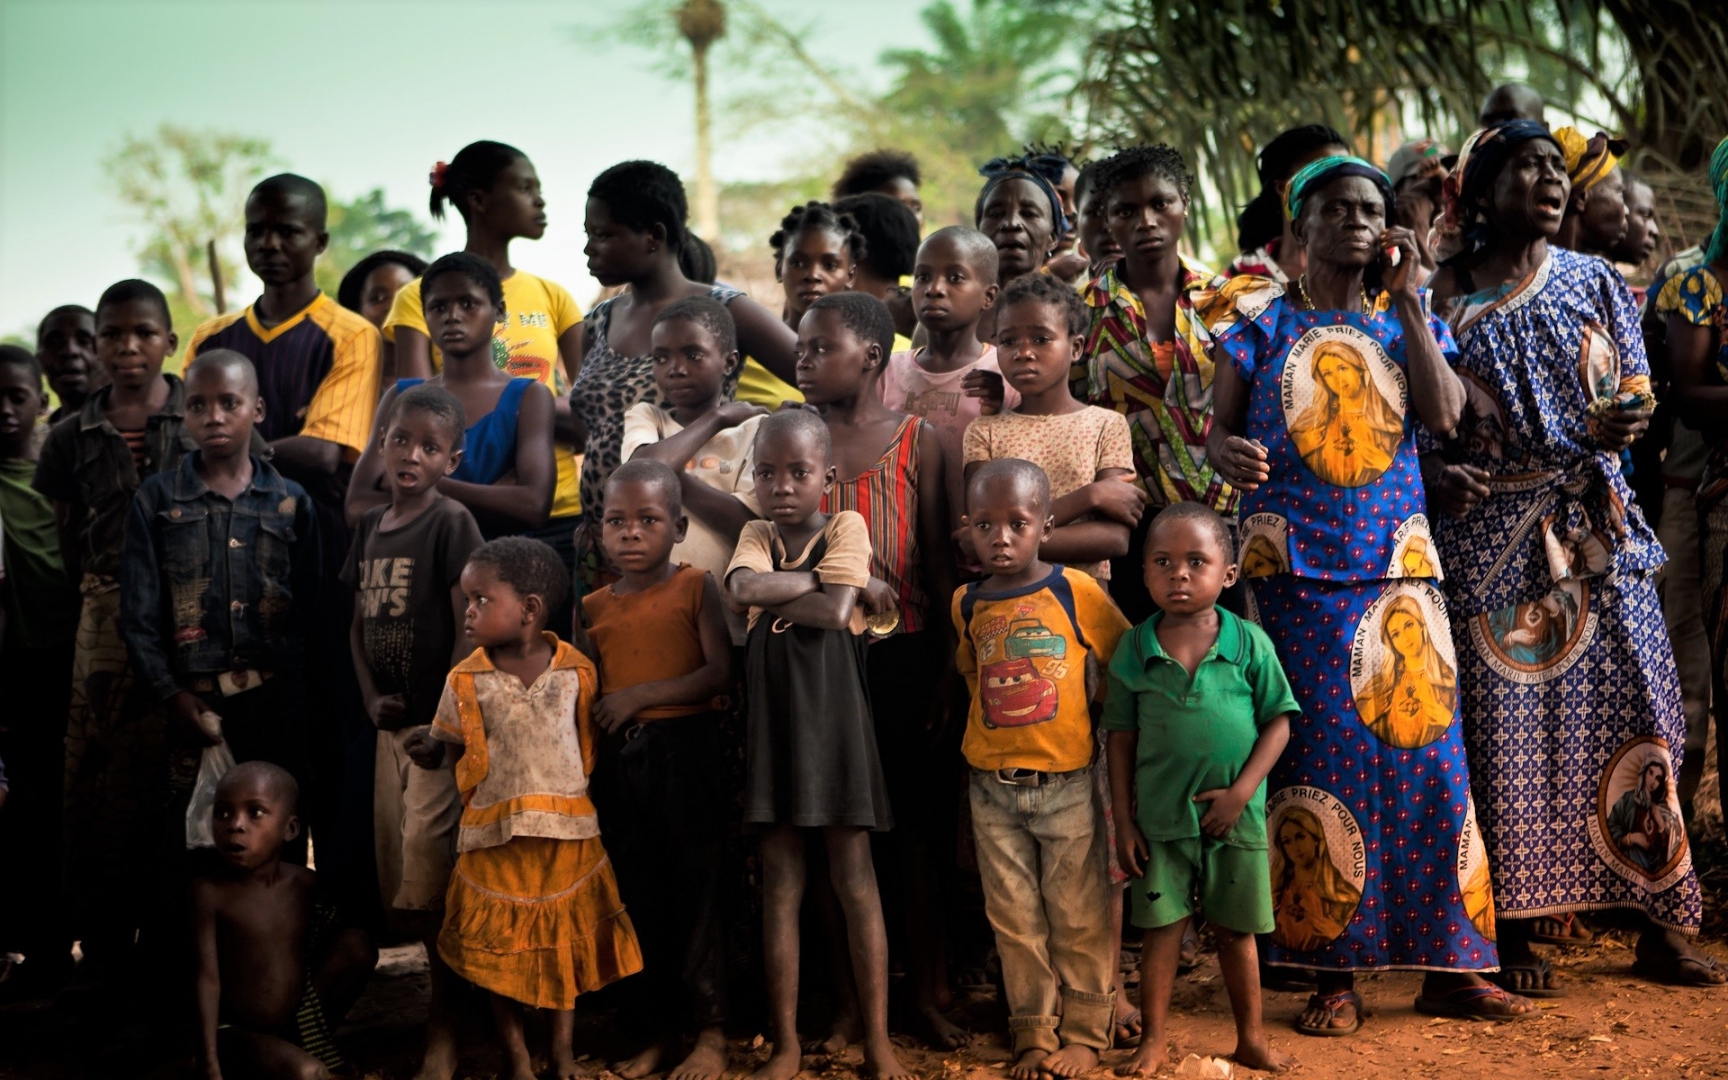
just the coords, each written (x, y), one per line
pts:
(1319, 603)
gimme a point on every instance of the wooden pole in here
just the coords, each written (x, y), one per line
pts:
(215, 277)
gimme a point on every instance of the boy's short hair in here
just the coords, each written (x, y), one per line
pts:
(798, 422)
(865, 316)
(1017, 471)
(530, 567)
(24, 358)
(870, 171)
(130, 291)
(294, 184)
(1193, 511)
(63, 309)
(655, 474)
(1134, 162)
(890, 232)
(437, 401)
(707, 312)
(1045, 289)
(280, 781)
(473, 267)
(227, 360)
(980, 252)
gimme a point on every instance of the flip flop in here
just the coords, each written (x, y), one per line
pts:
(1671, 970)
(1576, 933)
(1540, 971)
(1189, 958)
(1127, 1028)
(1465, 1003)
(1333, 1003)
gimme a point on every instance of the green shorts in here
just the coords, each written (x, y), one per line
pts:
(1233, 886)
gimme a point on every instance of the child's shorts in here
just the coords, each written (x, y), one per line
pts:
(1233, 885)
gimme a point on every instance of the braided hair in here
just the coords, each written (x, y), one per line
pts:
(474, 168)
(818, 215)
(642, 194)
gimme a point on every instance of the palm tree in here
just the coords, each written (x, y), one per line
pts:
(702, 23)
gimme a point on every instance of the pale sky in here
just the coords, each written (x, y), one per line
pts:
(355, 94)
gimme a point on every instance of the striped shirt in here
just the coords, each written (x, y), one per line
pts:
(886, 495)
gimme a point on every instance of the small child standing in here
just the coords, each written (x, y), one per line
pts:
(405, 570)
(704, 438)
(1197, 714)
(1030, 636)
(217, 639)
(275, 973)
(1084, 450)
(811, 753)
(533, 914)
(665, 659)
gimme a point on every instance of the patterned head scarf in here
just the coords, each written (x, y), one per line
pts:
(1030, 168)
(1717, 247)
(1318, 174)
(1588, 161)
(1464, 229)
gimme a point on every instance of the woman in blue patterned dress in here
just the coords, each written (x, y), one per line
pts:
(1571, 702)
(1369, 815)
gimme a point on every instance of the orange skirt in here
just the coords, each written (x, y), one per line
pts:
(538, 920)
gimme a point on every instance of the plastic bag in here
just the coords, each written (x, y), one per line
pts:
(214, 765)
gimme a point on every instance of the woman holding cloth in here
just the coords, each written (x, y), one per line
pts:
(1317, 388)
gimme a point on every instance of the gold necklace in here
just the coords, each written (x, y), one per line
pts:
(1302, 287)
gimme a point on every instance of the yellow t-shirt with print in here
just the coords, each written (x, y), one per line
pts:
(537, 313)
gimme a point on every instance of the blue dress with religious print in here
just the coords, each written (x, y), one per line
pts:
(1375, 857)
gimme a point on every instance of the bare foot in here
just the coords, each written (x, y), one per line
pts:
(1261, 1056)
(1147, 1061)
(1071, 1060)
(881, 1062)
(782, 1064)
(440, 1060)
(938, 1031)
(846, 1030)
(523, 1071)
(707, 1061)
(646, 1063)
(1026, 1066)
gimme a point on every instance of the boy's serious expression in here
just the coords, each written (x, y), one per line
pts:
(1034, 347)
(1009, 524)
(251, 822)
(833, 362)
(67, 350)
(222, 407)
(459, 314)
(948, 292)
(21, 402)
(792, 474)
(688, 367)
(419, 451)
(637, 527)
(283, 238)
(132, 340)
(1185, 568)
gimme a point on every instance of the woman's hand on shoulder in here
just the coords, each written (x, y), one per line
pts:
(1242, 463)
(1459, 489)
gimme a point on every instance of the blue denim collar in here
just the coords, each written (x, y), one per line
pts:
(94, 413)
(188, 486)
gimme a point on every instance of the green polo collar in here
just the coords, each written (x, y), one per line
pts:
(1232, 640)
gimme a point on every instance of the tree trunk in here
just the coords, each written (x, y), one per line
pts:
(707, 194)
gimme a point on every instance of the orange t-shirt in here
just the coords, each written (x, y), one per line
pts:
(650, 635)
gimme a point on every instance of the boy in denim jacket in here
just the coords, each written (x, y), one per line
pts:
(219, 561)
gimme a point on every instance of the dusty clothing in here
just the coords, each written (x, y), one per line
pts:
(649, 636)
(415, 812)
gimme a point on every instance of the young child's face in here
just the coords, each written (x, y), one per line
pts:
(637, 526)
(21, 403)
(1009, 523)
(814, 263)
(460, 316)
(833, 362)
(419, 450)
(222, 407)
(67, 350)
(1146, 215)
(132, 340)
(1186, 567)
(283, 237)
(1094, 232)
(496, 614)
(1034, 347)
(792, 474)
(252, 822)
(948, 292)
(688, 367)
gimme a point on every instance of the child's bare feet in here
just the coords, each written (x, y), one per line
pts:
(846, 1029)
(707, 1060)
(440, 1060)
(652, 1058)
(938, 1031)
(782, 1064)
(1071, 1060)
(1261, 1056)
(1146, 1061)
(1027, 1064)
(881, 1062)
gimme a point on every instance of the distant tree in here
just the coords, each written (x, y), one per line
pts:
(363, 225)
(188, 188)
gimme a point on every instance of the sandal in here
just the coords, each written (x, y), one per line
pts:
(1333, 1004)
(1540, 981)
(1572, 930)
(1126, 1027)
(1189, 958)
(1465, 1003)
(1672, 970)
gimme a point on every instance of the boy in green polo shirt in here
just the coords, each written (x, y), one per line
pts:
(1197, 713)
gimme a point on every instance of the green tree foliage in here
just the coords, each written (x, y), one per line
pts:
(362, 225)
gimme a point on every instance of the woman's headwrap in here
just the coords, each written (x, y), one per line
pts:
(1318, 174)
(1717, 246)
(1588, 161)
(1036, 168)
(1464, 228)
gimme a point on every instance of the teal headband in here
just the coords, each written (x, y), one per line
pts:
(1316, 174)
(1717, 246)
